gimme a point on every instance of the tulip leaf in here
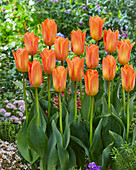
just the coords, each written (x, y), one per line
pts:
(117, 139)
(72, 158)
(71, 110)
(36, 137)
(134, 135)
(23, 147)
(85, 106)
(66, 137)
(131, 107)
(106, 155)
(62, 153)
(72, 87)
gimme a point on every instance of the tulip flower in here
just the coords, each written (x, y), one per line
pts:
(92, 56)
(109, 67)
(59, 78)
(31, 43)
(75, 68)
(91, 82)
(124, 50)
(96, 24)
(21, 59)
(48, 60)
(78, 41)
(49, 31)
(35, 73)
(128, 77)
(61, 48)
(110, 39)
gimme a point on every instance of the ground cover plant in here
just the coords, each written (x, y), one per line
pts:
(81, 103)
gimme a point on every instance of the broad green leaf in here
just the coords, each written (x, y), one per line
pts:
(66, 137)
(131, 107)
(37, 140)
(85, 106)
(71, 110)
(72, 158)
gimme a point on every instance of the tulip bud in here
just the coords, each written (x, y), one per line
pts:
(128, 77)
(49, 31)
(78, 41)
(109, 67)
(110, 39)
(124, 50)
(96, 24)
(91, 82)
(75, 68)
(92, 56)
(61, 48)
(21, 59)
(59, 78)
(35, 73)
(31, 43)
(48, 60)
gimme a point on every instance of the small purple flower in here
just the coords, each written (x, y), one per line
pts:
(6, 101)
(135, 21)
(20, 114)
(2, 89)
(29, 84)
(23, 118)
(67, 11)
(84, 7)
(98, 6)
(7, 114)
(60, 35)
(81, 23)
(55, 0)
(2, 110)
(22, 108)
(119, 35)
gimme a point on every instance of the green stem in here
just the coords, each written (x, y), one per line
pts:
(61, 127)
(33, 167)
(108, 95)
(91, 120)
(89, 112)
(124, 103)
(127, 116)
(81, 90)
(112, 83)
(75, 100)
(25, 98)
(49, 98)
(62, 63)
(37, 107)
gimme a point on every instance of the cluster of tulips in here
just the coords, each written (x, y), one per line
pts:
(76, 65)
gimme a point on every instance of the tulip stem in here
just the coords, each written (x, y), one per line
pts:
(49, 98)
(61, 127)
(112, 83)
(37, 107)
(75, 100)
(108, 95)
(124, 103)
(62, 63)
(127, 116)
(81, 90)
(91, 119)
(89, 112)
(25, 98)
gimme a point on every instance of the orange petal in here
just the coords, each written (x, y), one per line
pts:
(106, 69)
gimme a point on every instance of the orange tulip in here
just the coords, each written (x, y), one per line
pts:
(21, 59)
(109, 67)
(31, 43)
(128, 77)
(48, 60)
(78, 41)
(92, 56)
(59, 78)
(35, 73)
(49, 31)
(75, 68)
(124, 50)
(61, 48)
(96, 24)
(91, 82)
(110, 39)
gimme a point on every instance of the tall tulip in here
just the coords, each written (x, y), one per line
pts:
(91, 88)
(78, 41)
(110, 39)
(35, 73)
(109, 67)
(128, 82)
(124, 50)
(49, 31)
(109, 70)
(59, 83)
(31, 43)
(96, 25)
(61, 48)
(21, 59)
(48, 60)
(92, 56)
(75, 68)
